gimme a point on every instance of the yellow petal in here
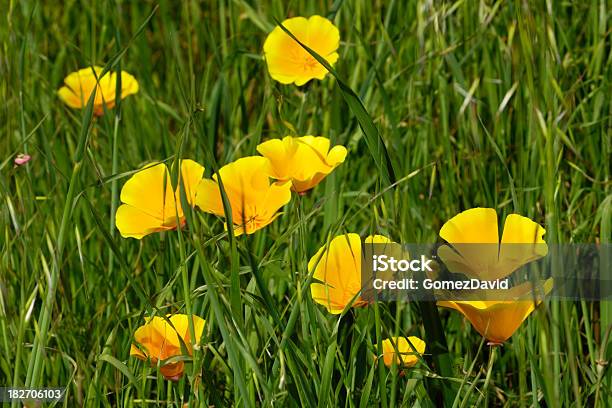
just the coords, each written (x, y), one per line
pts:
(79, 86)
(135, 223)
(155, 337)
(68, 96)
(208, 197)
(277, 195)
(522, 230)
(408, 356)
(150, 190)
(377, 239)
(338, 268)
(191, 175)
(495, 322)
(253, 199)
(288, 62)
(159, 339)
(279, 153)
(135, 351)
(474, 226)
(498, 320)
(323, 37)
(522, 242)
(149, 203)
(129, 84)
(305, 160)
(245, 179)
(181, 324)
(336, 155)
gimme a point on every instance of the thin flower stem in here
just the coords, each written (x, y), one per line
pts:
(485, 386)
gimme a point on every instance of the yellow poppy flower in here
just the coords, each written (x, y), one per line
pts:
(304, 160)
(337, 268)
(476, 250)
(158, 341)
(80, 84)
(149, 202)
(254, 200)
(497, 320)
(407, 356)
(288, 62)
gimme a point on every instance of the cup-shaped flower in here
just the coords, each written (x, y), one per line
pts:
(288, 62)
(151, 204)
(476, 250)
(336, 269)
(304, 160)
(253, 198)
(158, 340)
(497, 320)
(79, 85)
(401, 348)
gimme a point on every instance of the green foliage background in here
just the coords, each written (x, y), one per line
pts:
(502, 104)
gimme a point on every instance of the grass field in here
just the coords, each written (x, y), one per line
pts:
(500, 104)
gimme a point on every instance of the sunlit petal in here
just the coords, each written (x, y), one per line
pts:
(288, 62)
(409, 350)
(305, 160)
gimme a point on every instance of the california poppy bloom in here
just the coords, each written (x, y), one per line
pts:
(407, 356)
(253, 198)
(150, 204)
(497, 320)
(337, 268)
(80, 84)
(288, 62)
(304, 160)
(476, 249)
(158, 340)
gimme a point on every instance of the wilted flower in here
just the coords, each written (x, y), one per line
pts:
(150, 204)
(288, 62)
(476, 250)
(408, 356)
(80, 84)
(253, 198)
(22, 159)
(158, 340)
(337, 268)
(497, 320)
(303, 160)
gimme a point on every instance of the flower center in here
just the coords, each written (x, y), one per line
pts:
(309, 63)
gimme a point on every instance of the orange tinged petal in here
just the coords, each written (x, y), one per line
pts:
(498, 320)
(253, 198)
(305, 160)
(159, 340)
